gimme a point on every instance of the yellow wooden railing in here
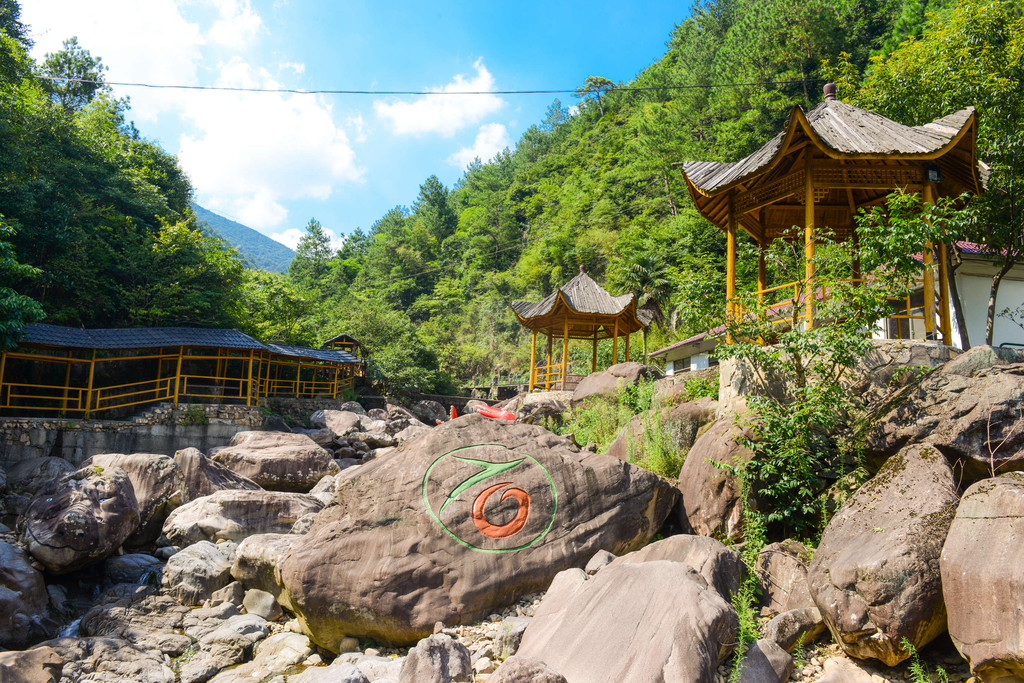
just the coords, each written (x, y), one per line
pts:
(548, 375)
(236, 377)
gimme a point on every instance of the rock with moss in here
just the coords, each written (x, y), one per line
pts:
(983, 578)
(608, 384)
(875, 574)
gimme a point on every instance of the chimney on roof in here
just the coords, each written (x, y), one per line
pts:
(581, 267)
(830, 91)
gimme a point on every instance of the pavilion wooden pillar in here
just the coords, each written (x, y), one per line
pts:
(67, 384)
(177, 374)
(3, 368)
(533, 360)
(762, 274)
(593, 362)
(730, 267)
(615, 343)
(88, 391)
(928, 280)
(547, 372)
(628, 335)
(565, 351)
(809, 294)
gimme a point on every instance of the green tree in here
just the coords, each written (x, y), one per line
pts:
(16, 310)
(312, 256)
(73, 77)
(970, 54)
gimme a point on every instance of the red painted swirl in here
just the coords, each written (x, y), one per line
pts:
(505, 530)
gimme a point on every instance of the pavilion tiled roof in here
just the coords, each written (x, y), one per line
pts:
(845, 130)
(41, 334)
(583, 295)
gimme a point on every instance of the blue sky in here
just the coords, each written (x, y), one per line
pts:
(274, 160)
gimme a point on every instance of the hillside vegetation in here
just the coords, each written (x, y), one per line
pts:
(427, 286)
(256, 249)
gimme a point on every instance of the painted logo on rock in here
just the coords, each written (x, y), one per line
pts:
(490, 498)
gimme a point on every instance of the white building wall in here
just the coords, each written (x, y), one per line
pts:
(700, 361)
(974, 289)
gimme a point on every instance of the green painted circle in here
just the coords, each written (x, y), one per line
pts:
(535, 541)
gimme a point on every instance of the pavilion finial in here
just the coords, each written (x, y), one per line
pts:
(830, 91)
(581, 268)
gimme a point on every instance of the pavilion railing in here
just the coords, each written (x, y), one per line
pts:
(548, 375)
(902, 307)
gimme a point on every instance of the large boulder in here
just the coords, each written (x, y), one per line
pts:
(38, 665)
(712, 501)
(983, 578)
(608, 383)
(23, 599)
(81, 518)
(437, 659)
(538, 407)
(235, 514)
(969, 408)
(721, 567)
(651, 622)
(257, 559)
(782, 572)
(139, 615)
(28, 476)
(277, 461)
(460, 521)
(894, 363)
(430, 412)
(109, 659)
(339, 422)
(159, 486)
(203, 476)
(194, 574)
(875, 574)
(674, 428)
(518, 669)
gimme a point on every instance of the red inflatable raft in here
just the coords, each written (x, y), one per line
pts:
(496, 413)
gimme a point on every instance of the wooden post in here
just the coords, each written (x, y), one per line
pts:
(628, 335)
(334, 389)
(3, 368)
(593, 362)
(944, 317)
(88, 391)
(762, 274)
(928, 280)
(248, 381)
(533, 360)
(809, 294)
(547, 375)
(615, 343)
(565, 351)
(177, 374)
(730, 268)
(67, 384)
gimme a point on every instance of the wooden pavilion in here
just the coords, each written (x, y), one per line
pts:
(73, 371)
(820, 170)
(580, 309)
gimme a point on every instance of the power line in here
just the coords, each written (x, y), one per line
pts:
(303, 91)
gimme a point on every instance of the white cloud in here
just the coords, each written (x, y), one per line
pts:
(444, 114)
(492, 138)
(255, 150)
(148, 42)
(238, 24)
(357, 126)
(297, 68)
(290, 237)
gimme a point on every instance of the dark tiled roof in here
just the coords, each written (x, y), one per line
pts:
(40, 334)
(136, 337)
(330, 355)
(844, 129)
(583, 295)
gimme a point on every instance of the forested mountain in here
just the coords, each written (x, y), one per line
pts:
(256, 249)
(106, 214)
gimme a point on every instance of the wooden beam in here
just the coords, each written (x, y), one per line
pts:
(615, 344)
(547, 375)
(628, 335)
(593, 363)
(88, 391)
(928, 281)
(565, 354)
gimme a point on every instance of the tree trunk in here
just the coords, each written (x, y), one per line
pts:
(668, 193)
(955, 261)
(990, 322)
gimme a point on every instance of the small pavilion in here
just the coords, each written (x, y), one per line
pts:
(826, 165)
(580, 309)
